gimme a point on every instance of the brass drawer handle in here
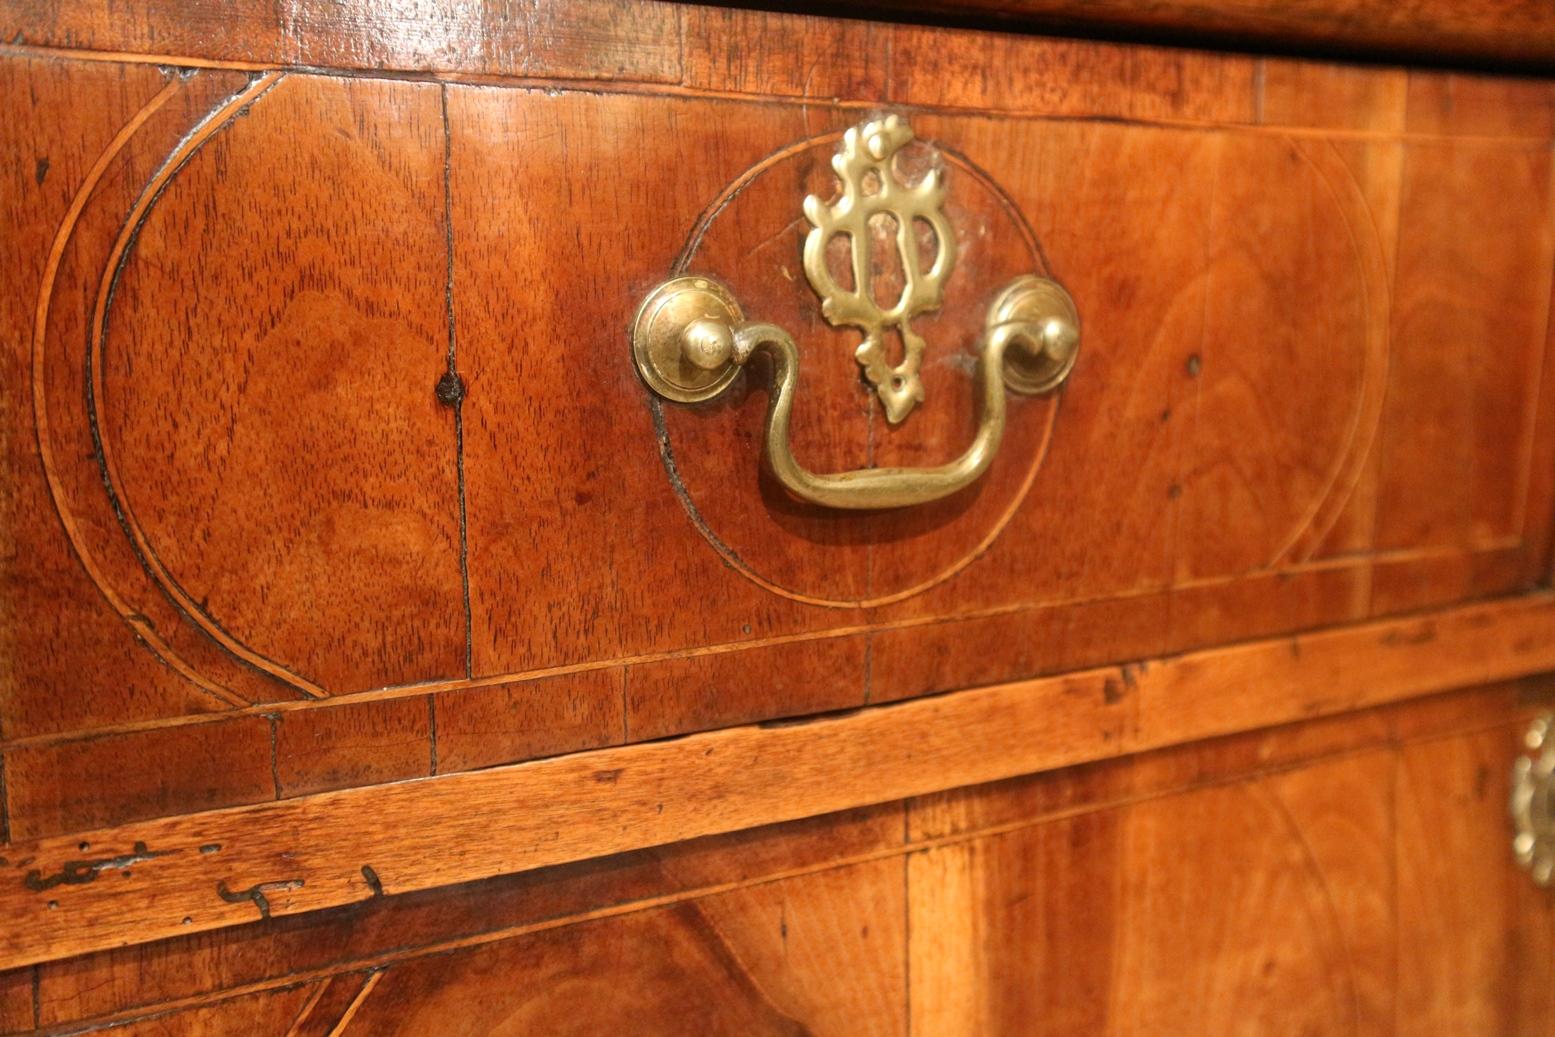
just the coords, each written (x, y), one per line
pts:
(690, 338)
(1533, 802)
(1029, 346)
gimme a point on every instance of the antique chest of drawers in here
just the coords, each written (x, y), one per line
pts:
(620, 517)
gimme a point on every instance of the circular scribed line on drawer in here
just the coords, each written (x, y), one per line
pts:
(113, 272)
(751, 238)
(1339, 185)
(1287, 387)
(81, 268)
(243, 383)
(266, 380)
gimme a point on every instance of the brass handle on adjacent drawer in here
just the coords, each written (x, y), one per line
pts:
(690, 340)
(1533, 802)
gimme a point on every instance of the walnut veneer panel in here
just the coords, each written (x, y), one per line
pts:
(591, 38)
(1311, 392)
(1347, 875)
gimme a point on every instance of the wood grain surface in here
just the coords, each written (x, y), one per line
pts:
(348, 566)
(592, 39)
(1058, 903)
(1282, 850)
(1308, 396)
(624, 39)
(154, 879)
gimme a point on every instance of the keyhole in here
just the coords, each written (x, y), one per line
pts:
(887, 277)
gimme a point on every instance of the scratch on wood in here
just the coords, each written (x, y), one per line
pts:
(255, 893)
(80, 872)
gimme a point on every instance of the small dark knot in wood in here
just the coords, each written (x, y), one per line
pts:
(450, 389)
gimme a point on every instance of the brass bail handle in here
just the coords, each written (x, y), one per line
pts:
(1533, 802)
(691, 339)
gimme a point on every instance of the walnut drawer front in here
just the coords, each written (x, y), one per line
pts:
(367, 420)
(329, 464)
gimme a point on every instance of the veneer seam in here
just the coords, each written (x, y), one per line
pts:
(437, 687)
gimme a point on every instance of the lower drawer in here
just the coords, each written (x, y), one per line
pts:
(1345, 876)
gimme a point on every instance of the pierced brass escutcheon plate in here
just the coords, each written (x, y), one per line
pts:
(690, 338)
(866, 170)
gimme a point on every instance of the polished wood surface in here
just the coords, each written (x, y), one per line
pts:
(597, 39)
(136, 882)
(357, 596)
(1355, 891)
(619, 39)
(1304, 398)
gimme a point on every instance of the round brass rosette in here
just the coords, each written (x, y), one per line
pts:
(1533, 802)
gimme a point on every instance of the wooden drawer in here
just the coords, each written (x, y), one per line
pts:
(329, 466)
(1304, 396)
(1359, 875)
